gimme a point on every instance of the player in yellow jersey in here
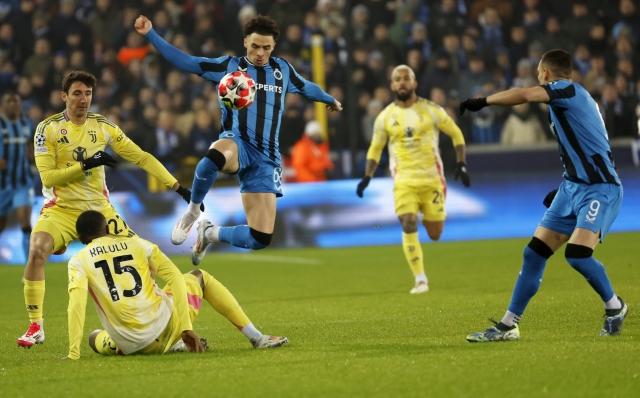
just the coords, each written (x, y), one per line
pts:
(411, 125)
(69, 154)
(138, 317)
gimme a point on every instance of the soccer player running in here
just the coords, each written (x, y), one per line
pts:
(69, 154)
(248, 144)
(411, 125)
(581, 210)
(138, 317)
(16, 181)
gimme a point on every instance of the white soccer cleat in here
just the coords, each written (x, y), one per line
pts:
(420, 287)
(200, 248)
(270, 341)
(35, 335)
(179, 233)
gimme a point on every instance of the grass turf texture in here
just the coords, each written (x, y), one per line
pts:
(356, 331)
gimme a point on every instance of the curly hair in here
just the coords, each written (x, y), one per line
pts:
(78, 76)
(262, 25)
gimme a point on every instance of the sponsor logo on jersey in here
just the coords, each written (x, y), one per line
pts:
(63, 140)
(79, 154)
(269, 87)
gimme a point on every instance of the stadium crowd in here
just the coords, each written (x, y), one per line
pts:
(457, 48)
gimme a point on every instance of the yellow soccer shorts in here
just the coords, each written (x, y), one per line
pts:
(429, 200)
(61, 224)
(171, 333)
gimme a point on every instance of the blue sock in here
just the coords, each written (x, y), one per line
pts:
(239, 236)
(26, 238)
(594, 272)
(528, 281)
(205, 176)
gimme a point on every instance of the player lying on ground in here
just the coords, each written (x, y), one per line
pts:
(137, 316)
(248, 144)
(411, 125)
(585, 205)
(69, 154)
(16, 181)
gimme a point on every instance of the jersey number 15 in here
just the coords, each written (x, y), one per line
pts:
(120, 269)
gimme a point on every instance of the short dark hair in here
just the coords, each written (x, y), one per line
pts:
(559, 62)
(78, 76)
(262, 25)
(90, 223)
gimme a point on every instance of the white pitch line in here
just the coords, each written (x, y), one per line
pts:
(273, 259)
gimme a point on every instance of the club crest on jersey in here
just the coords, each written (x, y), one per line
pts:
(40, 139)
(277, 74)
(79, 154)
(409, 131)
(63, 131)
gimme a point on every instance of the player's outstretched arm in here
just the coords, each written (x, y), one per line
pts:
(76, 316)
(179, 59)
(310, 90)
(511, 97)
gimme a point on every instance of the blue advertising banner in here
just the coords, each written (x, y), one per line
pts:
(498, 205)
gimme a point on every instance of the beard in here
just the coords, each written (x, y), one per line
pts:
(404, 97)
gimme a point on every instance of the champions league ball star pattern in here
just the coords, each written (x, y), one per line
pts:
(237, 90)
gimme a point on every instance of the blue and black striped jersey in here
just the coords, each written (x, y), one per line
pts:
(258, 124)
(14, 144)
(582, 138)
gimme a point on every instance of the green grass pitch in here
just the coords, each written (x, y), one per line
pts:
(355, 330)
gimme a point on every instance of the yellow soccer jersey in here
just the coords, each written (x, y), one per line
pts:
(413, 135)
(118, 273)
(60, 146)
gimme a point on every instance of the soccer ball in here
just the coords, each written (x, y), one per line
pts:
(237, 90)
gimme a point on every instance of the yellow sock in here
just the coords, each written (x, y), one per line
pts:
(223, 301)
(413, 252)
(34, 299)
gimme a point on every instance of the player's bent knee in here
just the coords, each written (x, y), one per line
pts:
(198, 274)
(574, 251)
(216, 157)
(540, 248)
(259, 240)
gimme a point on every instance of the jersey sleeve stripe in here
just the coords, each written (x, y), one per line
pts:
(293, 77)
(214, 66)
(276, 113)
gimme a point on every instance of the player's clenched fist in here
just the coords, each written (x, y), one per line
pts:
(473, 104)
(143, 25)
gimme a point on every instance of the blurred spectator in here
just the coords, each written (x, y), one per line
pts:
(491, 25)
(522, 127)
(504, 8)
(310, 155)
(554, 37)
(446, 19)
(579, 24)
(374, 107)
(441, 75)
(401, 29)
(473, 78)
(419, 41)
(104, 19)
(202, 134)
(41, 60)
(65, 22)
(628, 19)
(384, 45)
(519, 46)
(486, 125)
(533, 16)
(597, 42)
(167, 141)
(581, 59)
(596, 77)
(285, 13)
(623, 50)
(9, 46)
(135, 49)
(359, 23)
(457, 56)
(380, 12)
(120, 30)
(8, 77)
(292, 123)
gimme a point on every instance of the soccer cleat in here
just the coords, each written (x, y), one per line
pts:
(179, 233)
(200, 248)
(613, 320)
(495, 334)
(270, 342)
(35, 335)
(180, 346)
(420, 287)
